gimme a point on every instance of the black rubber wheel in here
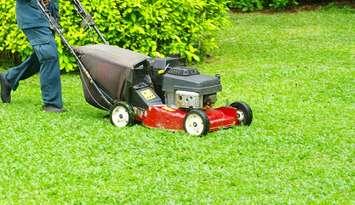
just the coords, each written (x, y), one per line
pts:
(196, 123)
(244, 113)
(122, 115)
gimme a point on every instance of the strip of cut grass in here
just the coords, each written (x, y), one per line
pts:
(296, 70)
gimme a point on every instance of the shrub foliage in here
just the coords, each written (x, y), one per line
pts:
(252, 5)
(154, 27)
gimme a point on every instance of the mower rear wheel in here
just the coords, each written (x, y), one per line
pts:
(122, 115)
(196, 123)
(244, 113)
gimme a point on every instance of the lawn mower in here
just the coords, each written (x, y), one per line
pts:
(158, 93)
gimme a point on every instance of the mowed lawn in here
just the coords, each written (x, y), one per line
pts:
(297, 72)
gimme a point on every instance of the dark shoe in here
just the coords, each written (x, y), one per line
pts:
(50, 108)
(5, 89)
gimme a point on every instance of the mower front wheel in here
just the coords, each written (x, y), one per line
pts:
(122, 115)
(244, 113)
(196, 123)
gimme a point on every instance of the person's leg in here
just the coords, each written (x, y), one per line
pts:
(10, 80)
(43, 43)
(50, 80)
(23, 71)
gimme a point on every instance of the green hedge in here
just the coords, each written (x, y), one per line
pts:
(154, 27)
(252, 5)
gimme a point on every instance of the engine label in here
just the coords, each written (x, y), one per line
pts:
(148, 94)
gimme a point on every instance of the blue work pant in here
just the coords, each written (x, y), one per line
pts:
(44, 60)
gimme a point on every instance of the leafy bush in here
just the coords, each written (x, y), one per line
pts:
(246, 5)
(252, 5)
(157, 28)
(281, 4)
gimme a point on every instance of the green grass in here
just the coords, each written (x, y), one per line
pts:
(296, 70)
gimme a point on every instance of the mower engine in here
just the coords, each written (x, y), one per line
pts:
(183, 87)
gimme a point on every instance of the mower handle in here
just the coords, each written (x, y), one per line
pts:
(87, 19)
